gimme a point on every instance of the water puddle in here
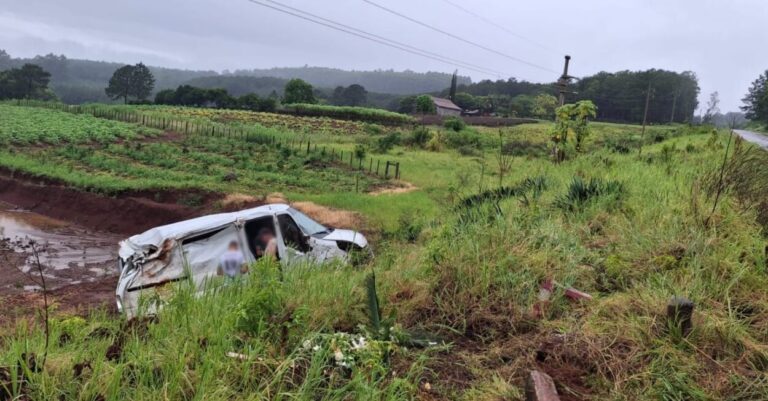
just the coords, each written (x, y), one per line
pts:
(69, 254)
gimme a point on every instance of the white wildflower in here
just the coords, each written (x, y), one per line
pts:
(307, 344)
(338, 355)
(316, 348)
(359, 343)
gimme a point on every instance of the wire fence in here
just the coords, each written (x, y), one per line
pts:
(386, 169)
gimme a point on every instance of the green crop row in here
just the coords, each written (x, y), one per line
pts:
(350, 113)
(31, 125)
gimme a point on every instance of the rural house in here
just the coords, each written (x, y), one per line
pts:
(445, 107)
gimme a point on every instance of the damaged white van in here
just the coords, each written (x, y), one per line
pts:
(166, 254)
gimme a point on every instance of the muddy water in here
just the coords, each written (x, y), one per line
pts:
(69, 254)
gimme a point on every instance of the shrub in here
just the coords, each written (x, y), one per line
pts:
(419, 137)
(744, 175)
(465, 138)
(454, 123)
(384, 144)
(467, 150)
(436, 143)
(524, 148)
(581, 192)
(532, 185)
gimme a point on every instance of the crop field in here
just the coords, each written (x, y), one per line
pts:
(135, 164)
(297, 124)
(22, 125)
(464, 241)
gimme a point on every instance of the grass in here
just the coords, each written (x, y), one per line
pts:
(469, 278)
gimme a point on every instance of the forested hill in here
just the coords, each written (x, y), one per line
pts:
(78, 81)
(382, 81)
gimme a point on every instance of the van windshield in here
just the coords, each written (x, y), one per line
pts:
(309, 226)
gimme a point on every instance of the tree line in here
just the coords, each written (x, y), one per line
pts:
(618, 96)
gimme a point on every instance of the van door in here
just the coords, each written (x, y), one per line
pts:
(202, 252)
(294, 242)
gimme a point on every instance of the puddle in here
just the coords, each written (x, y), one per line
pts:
(70, 253)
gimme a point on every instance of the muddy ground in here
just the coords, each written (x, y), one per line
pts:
(76, 235)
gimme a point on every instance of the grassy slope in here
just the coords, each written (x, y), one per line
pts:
(472, 280)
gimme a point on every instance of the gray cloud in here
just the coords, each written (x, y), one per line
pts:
(720, 41)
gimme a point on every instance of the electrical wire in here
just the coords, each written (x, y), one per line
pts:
(452, 60)
(385, 42)
(459, 38)
(502, 27)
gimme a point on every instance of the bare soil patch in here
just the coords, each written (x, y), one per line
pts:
(400, 187)
(130, 213)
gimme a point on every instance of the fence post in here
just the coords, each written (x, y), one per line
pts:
(397, 171)
(350, 158)
(386, 170)
(370, 167)
(378, 163)
(307, 146)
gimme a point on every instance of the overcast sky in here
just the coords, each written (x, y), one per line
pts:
(722, 41)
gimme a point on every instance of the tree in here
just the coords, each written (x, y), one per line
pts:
(407, 104)
(521, 106)
(142, 82)
(756, 101)
(131, 81)
(571, 118)
(452, 92)
(712, 107)
(33, 80)
(28, 82)
(298, 91)
(465, 101)
(425, 105)
(544, 106)
(337, 97)
(355, 95)
(120, 84)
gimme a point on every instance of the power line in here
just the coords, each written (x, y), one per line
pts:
(385, 42)
(459, 38)
(502, 27)
(452, 60)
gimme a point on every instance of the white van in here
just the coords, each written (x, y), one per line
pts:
(165, 254)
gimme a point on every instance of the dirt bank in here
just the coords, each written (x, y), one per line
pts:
(130, 213)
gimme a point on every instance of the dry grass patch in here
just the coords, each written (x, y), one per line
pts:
(400, 187)
(329, 216)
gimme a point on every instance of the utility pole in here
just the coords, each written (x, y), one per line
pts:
(645, 115)
(674, 105)
(562, 83)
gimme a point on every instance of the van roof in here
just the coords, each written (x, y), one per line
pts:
(156, 236)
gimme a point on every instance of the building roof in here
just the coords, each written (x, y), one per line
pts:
(445, 103)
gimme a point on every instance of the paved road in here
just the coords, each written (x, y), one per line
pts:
(758, 139)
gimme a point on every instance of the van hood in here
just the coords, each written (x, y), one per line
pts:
(347, 236)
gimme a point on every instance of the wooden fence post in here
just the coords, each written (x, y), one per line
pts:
(386, 170)
(378, 163)
(397, 171)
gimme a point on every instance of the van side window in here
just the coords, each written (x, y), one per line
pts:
(292, 234)
(252, 229)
